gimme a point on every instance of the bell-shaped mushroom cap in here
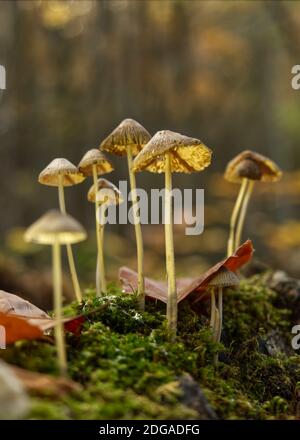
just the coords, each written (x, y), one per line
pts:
(253, 166)
(91, 158)
(187, 154)
(54, 226)
(106, 193)
(60, 167)
(128, 133)
(224, 278)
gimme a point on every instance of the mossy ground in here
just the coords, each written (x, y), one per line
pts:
(128, 369)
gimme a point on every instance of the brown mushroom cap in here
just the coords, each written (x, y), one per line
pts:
(110, 195)
(128, 133)
(247, 163)
(91, 158)
(54, 226)
(60, 167)
(187, 154)
(224, 278)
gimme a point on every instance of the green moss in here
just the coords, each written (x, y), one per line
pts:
(129, 369)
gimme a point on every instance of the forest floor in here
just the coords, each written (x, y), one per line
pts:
(128, 369)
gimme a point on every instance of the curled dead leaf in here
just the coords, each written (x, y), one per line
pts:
(187, 288)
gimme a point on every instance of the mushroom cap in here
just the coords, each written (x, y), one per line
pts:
(106, 192)
(60, 167)
(187, 154)
(94, 157)
(246, 164)
(224, 278)
(53, 226)
(128, 133)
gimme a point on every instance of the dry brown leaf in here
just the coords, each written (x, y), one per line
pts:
(17, 328)
(23, 320)
(186, 287)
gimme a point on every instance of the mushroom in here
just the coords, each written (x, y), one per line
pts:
(247, 168)
(223, 278)
(60, 172)
(103, 194)
(55, 228)
(128, 138)
(94, 163)
(168, 152)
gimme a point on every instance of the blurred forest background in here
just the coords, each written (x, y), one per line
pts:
(216, 70)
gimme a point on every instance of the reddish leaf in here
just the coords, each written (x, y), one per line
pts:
(17, 328)
(33, 320)
(186, 287)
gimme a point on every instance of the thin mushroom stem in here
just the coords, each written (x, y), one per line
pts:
(138, 234)
(212, 308)
(242, 217)
(170, 262)
(59, 330)
(100, 270)
(62, 207)
(220, 309)
(234, 217)
(216, 331)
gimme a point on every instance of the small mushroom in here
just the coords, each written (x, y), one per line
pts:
(103, 194)
(60, 172)
(55, 228)
(168, 152)
(223, 278)
(94, 163)
(128, 138)
(246, 169)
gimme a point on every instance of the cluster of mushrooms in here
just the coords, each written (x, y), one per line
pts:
(166, 152)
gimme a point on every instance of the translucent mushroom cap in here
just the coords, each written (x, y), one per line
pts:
(187, 154)
(253, 166)
(54, 226)
(94, 157)
(128, 133)
(224, 278)
(106, 192)
(60, 167)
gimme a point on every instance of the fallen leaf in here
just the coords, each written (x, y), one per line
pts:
(17, 329)
(32, 320)
(186, 286)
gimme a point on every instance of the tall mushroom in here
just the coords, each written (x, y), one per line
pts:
(55, 228)
(60, 173)
(102, 194)
(247, 168)
(94, 163)
(168, 152)
(128, 138)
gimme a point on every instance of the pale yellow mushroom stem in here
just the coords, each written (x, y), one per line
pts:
(234, 218)
(244, 207)
(138, 234)
(58, 330)
(170, 262)
(100, 271)
(212, 308)
(220, 310)
(62, 206)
